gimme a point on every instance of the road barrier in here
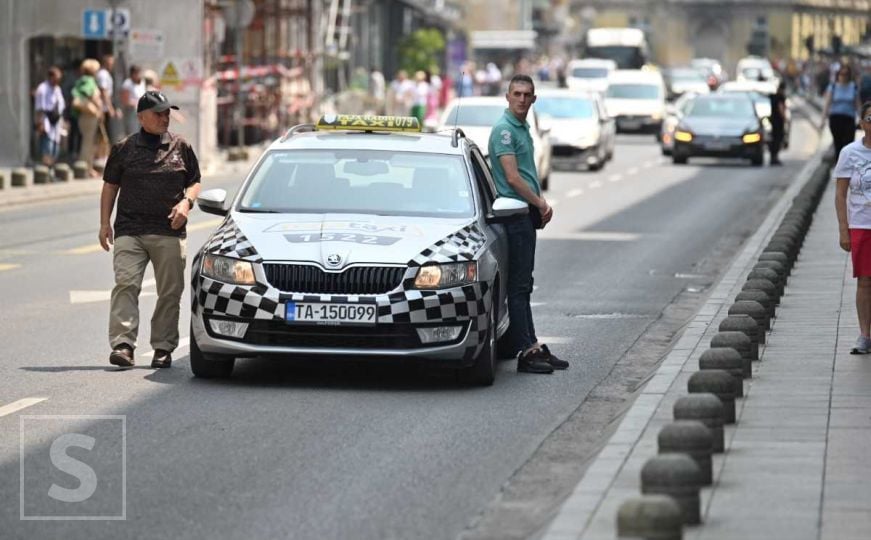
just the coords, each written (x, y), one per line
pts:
(717, 382)
(728, 360)
(745, 324)
(692, 438)
(80, 170)
(650, 516)
(677, 476)
(739, 342)
(63, 172)
(41, 174)
(707, 409)
(755, 311)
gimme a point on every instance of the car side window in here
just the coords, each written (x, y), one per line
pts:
(483, 177)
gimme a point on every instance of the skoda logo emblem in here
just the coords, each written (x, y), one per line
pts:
(334, 260)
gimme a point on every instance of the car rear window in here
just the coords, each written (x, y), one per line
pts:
(633, 91)
(738, 107)
(360, 182)
(564, 107)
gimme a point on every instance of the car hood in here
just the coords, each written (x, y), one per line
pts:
(590, 85)
(354, 238)
(699, 87)
(570, 129)
(721, 127)
(618, 107)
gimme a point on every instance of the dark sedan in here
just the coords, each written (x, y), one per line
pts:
(720, 126)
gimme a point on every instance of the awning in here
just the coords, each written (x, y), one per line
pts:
(502, 39)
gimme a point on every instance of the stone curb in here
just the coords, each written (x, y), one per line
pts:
(581, 508)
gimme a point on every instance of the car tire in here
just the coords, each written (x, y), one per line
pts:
(665, 152)
(209, 366)
(483, 371)
(596, 166)
(678, 159)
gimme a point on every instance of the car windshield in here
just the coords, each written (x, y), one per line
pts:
(475, 115)
(686, 75)
(564, 107)
(721, 108)
(360, 182)
(589, 73)
(633, 91)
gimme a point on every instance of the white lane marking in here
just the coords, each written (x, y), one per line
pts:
(16, 406)
(633, 171)
(554, 339)
(86, 297)
(553, 202)
(590, 236)
(596, 184)
(615, 177)
(8, 266)
(577, 192)
(649, 163)
(182, 343)
(95, 248)
(536, 304)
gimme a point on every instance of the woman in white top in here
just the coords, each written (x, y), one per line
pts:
(853, 206)
(132, 89)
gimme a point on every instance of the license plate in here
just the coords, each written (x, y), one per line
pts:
(630, 124)
(330, 314)
(717, 146)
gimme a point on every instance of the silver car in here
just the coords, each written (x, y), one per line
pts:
(358, 237)
(581, 132)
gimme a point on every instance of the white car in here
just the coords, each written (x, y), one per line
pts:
(682, 80)
(589, 74)
(582, 133)
(636, 100)
(757, 70)
(476, 117)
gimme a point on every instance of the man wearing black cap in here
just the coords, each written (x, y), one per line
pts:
(156, 178)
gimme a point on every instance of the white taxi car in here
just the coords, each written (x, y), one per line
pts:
(358, 236)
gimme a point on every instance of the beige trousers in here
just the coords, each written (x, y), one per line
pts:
(88, 126)
(131, 256)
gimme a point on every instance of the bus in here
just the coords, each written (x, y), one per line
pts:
(625, 46)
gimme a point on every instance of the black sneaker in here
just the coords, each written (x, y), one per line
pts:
(534, 361)
(161, 359)
(122, 356)
(555, 362)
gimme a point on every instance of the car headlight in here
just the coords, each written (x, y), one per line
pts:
(228, 270)
(751, 138)
(439, 276)
(683, 136)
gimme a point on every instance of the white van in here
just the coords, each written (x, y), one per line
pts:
(589, 74)
(636, 99)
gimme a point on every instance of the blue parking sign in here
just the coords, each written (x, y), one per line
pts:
(94, 24)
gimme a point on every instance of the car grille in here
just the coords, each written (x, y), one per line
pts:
(301, 278)
(387, 336)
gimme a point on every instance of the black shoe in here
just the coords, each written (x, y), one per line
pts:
(555, 362)
(776, 162)
(161, 359)
(533, 361)
(122, 356)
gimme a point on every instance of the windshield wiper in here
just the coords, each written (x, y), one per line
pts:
(259, 211)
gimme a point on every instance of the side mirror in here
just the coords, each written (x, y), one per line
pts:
(506, 207)
(212, 201)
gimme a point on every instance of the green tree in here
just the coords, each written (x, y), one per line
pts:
(421, 50)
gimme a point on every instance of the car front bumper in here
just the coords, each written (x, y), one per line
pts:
(394, 334)
(722, 148)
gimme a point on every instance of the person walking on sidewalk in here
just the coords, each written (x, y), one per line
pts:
(155, 176)
(48, 107)
(841, 104)
(778, 121)
(853, 191)
(511, 151)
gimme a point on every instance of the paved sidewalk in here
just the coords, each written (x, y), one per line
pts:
(798, 461)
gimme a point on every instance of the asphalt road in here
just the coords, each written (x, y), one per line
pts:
(335, 449)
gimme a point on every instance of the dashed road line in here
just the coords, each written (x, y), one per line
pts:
(577, 192)
(16, 406)
(553, 202)
(633, 171)
(615, 177)
(649, 163)
(104, 295)
(8, 266)
(94, 248)
(596, 184)
(594, 236)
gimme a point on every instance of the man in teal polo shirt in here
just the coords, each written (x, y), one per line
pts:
(513, 163)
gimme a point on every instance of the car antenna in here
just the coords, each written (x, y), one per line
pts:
(455, 136)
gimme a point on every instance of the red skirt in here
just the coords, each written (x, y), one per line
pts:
(860, 249)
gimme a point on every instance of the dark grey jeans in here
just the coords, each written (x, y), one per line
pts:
(521, 262)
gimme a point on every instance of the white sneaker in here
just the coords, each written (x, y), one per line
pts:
(863, 345)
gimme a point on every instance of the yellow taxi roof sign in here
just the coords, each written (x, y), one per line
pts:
(367, 122)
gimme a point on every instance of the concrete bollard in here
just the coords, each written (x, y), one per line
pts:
(707, 409)
(80, 170)
(773, 265)
(650, 517)
(755, 310)
(746, 324)
(770, 275)
(677, 476)
(41, 174)
(730, 361)
(777, 256)
(2, 180)
(19, 177)
(692, 438)
(789, 248)
(738, 341)
(757, 296)
(719, 383)
(765, 286)
(62, 172)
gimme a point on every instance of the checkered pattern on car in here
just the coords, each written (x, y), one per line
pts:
(261, 301)
(228, 240)
(459, 246)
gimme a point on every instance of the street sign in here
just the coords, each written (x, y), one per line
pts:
(120, 21)
(146, 45)
(94, 24)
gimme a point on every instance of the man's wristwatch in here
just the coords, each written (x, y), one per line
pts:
(190, 202)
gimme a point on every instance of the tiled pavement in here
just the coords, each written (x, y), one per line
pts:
(798, 462)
